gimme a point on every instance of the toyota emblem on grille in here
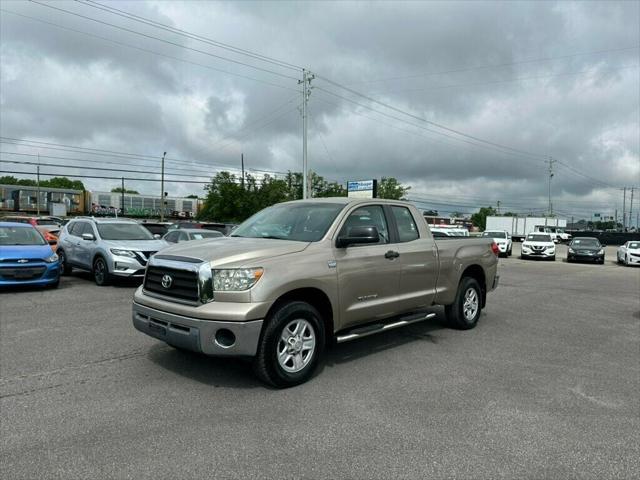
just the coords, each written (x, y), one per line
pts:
(167, 280)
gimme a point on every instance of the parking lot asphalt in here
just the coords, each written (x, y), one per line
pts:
(547, 386)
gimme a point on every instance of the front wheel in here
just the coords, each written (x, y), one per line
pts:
(553, 259)
(101, 272)
(464, 312)
(291, 345)
(65, 268)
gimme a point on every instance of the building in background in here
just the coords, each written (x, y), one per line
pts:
(24, 199)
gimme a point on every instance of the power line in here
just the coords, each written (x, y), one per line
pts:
(480, 67)
(137, 179)
(429, 122)
(519, 79)
(273, 72)
(190, 35)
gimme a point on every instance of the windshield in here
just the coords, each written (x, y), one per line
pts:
(305, 222)
(538, 238)
(495, 234)
(586, 243)
(20, 236)
(123, 231)
(634, 245)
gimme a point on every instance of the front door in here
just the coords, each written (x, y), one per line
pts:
(84, 248)
(368, 275)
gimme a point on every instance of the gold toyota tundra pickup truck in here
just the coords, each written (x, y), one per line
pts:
(299, 275)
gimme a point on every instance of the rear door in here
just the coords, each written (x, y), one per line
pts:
(368, 275)
(418, 260)
(70, 241)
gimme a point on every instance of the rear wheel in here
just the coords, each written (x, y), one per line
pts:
(101, 272)
(464, 312)
(291, 345)
(65, 268)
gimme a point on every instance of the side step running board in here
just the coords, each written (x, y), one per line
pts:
(382, 327)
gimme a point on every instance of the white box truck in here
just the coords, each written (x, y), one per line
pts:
(520, 227)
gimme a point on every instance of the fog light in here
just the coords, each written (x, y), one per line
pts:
(225, 338)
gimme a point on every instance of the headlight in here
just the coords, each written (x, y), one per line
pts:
(601, 252)
(235, 279)
(53, 258)
(571, 250)
(123, 253)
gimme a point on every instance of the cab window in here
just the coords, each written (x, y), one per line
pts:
(407, 230)
(369, 216)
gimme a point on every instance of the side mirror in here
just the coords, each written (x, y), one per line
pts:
(52, 242)
(603, 245)
(157, 236)
(88, 236)
(358, 236)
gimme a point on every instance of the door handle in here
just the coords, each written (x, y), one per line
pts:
(391, 255)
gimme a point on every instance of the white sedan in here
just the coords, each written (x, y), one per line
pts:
(629, 253)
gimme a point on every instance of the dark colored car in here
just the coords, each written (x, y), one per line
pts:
(585, 249)
(157, 228)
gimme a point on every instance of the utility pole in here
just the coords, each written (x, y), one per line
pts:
(631, 208)
(306, 91)
(550, 162)
(624, 209)
(162, 189)
(38, 183)
(242, 165)
(122, 197)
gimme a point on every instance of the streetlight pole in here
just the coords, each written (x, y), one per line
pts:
(306, 91)
(162, 189)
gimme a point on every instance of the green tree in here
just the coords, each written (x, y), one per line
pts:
(10, 180)
(191, 196)
(479, 219)
(389, 187)
(456, 215)
(430, 213)
(63, 182)
(119, 190)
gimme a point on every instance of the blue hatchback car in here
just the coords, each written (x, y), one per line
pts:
(26, 258)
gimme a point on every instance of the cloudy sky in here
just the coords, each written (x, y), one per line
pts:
(464, 102)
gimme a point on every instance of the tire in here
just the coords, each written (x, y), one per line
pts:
(65, 268)
(509, 252)
(461, 314)
(553, 259)
(55, 284)
(626, 261)
(100, 272)
(618, 259)
(283, 363)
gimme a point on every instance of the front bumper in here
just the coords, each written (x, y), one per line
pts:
(633, 260)
(210, 337)
(122, 266)
(538, 254)
(585, 257)
(10, 274)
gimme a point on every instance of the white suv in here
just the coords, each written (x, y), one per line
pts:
(539, 245)
(502, 239)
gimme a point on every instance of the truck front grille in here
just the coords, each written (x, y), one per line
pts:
(183, 284)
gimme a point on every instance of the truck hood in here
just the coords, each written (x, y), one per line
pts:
(137, 245)
(17, 252)
(235, 251)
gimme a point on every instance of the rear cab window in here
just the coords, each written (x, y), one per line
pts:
(407, 228)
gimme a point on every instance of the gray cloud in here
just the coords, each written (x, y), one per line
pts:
(465, 65)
